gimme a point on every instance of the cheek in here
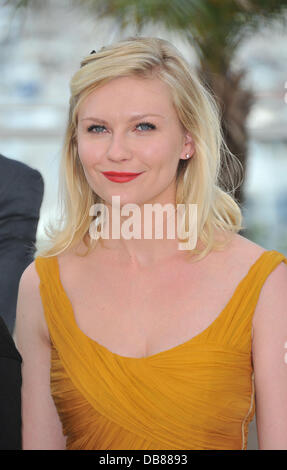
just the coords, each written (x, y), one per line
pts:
(156, 153)
(167, 154)
(87, 152)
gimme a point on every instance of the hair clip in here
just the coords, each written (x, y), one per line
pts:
(93, 52)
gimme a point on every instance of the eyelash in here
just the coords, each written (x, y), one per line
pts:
(151, 126)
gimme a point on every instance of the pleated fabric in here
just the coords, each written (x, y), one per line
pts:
(198, 395)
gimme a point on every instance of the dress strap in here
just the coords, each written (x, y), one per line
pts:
(236, 326)
(58, 310)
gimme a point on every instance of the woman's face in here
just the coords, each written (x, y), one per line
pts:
(130, 125)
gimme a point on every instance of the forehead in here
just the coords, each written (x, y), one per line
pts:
(127, 95)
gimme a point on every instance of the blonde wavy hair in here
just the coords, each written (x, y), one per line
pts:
(197, 179)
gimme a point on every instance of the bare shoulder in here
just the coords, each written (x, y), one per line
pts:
(238, 256)
(29, 284)
(29, 304)
(271, 306)
(249, 250)
(30, 278)
(244, 250)
(272, 301)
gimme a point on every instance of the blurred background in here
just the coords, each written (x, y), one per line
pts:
(238, 47)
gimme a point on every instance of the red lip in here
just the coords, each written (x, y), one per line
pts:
(120, 177)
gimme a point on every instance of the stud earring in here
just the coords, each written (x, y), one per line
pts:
(187, 155)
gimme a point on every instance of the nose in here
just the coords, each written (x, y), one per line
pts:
(118, 148)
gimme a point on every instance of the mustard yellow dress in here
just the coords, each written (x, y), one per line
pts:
(198, 395)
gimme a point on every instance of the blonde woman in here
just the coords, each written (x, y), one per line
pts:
(134, 342)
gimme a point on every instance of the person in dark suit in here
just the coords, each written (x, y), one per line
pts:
(21, 195)
(10, 392)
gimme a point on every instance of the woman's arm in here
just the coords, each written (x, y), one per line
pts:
(42, 428)
(269, 354)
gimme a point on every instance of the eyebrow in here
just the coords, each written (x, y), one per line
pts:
(133, 118)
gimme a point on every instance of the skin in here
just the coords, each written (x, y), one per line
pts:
(111, 137)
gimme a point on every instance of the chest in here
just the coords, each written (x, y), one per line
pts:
(137, 314)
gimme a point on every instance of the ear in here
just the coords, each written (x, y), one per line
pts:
(188, 146)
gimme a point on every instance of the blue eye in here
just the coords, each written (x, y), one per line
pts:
(95, 128)
(98, 129)
(146, 126)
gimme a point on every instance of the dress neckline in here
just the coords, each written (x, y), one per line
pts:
(165, 351)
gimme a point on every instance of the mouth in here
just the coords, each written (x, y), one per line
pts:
(120, 177)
